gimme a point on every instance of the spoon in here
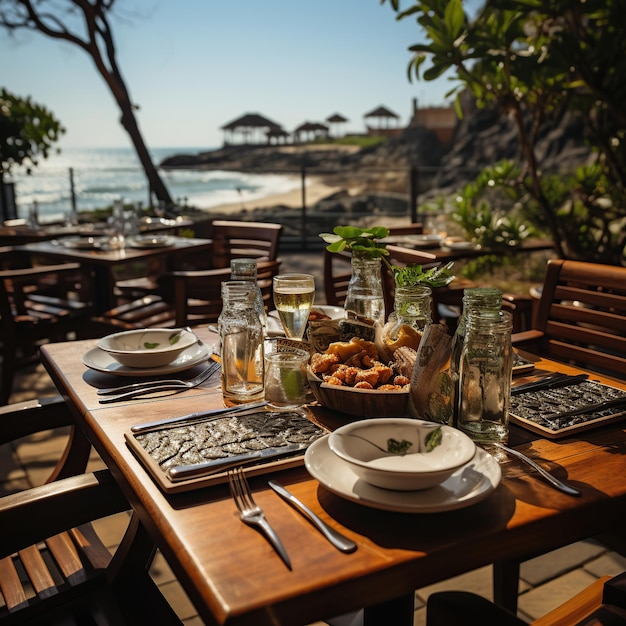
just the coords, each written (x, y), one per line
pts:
(553, 480)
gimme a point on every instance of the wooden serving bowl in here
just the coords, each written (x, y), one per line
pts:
(361, 402)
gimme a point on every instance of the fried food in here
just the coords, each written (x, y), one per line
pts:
(355, 364)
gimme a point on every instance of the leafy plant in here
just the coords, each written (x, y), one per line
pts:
(536, 63)
(366, 241)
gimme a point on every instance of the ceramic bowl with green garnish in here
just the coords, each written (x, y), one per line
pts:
(148, 347)
(402, 454)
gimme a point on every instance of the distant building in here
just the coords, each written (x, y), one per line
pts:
(441, 120)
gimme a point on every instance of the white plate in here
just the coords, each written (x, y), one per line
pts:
(468, 485)
(334, 312)
(156, 241)
(459, 245)
(275, 328)
(84, 243)
(102, 361)
(422, 241)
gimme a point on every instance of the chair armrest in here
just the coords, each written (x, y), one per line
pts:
(41, 270)
(36, 514)
(526, 337)
(32, 416)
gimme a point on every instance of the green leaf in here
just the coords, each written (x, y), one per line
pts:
(398, 447)
(149, 345)
(433, 439)
(175, 338)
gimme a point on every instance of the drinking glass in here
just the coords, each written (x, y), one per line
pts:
(293, 299)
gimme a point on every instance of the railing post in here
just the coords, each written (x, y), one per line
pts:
(413, 186)
(303, 224)
(74, 212)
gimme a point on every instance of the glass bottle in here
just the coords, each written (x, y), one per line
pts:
(365, 290)
(485, 299)
(412, 307)
(246, 270)
(241, 339)
(485, 376)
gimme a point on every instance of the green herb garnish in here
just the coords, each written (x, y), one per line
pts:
(398, 447)
(433, 439)
(150, 345)
(175, 338)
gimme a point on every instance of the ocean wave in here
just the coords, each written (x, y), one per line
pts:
(101, 176)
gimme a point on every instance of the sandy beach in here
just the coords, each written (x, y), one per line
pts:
(315, 190)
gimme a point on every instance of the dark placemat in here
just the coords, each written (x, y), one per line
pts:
(221, 438)
(544, 411)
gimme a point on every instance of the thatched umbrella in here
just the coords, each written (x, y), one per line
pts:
(383, 115)
(336, 119)
(310, 128)
(251, 123)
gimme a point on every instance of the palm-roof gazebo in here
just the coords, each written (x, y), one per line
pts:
(335, 121)
(383, 115)
(252, 127)
(310, 129)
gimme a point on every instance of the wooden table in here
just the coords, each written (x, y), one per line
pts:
(232, 574)
(102, 262)
(446, 254)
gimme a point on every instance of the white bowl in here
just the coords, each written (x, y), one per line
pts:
(147, 347)
(367, 445)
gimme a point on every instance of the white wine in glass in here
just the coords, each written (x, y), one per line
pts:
(293, 298)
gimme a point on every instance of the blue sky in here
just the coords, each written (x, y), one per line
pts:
(194, 65)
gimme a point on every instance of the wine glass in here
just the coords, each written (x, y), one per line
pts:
(293, 298)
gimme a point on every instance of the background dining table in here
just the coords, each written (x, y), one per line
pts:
(457, 251)
(102, 262)
(232, 575)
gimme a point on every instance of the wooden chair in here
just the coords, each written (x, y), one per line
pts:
(54, 568)
(580, 320)
(231, 240)
(602, 602)
(37, 305)
(581, 317)
(237, 239)
(187, 298)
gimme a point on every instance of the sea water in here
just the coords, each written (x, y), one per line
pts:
(103, 175)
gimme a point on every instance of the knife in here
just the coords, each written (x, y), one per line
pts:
(336, 538)
(202, 415)
(185, 472)
(549, 382)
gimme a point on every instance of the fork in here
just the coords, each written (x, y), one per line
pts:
(251, 514)
(141, 389)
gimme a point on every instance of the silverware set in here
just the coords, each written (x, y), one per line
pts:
(251, 514)
(137, 390)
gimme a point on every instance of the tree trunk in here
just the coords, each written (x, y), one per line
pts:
(129, 122)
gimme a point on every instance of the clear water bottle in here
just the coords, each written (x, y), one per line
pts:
(365, 290)
(241, 339)
(476, 299)
(485, 377)
(246, 270)
(412, 307)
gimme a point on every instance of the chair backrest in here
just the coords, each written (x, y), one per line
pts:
(36, 305)
(233, 239)
(197, 295)
(582, 315)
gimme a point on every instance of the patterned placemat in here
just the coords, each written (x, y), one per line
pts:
(221, 439)
(548, 411)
